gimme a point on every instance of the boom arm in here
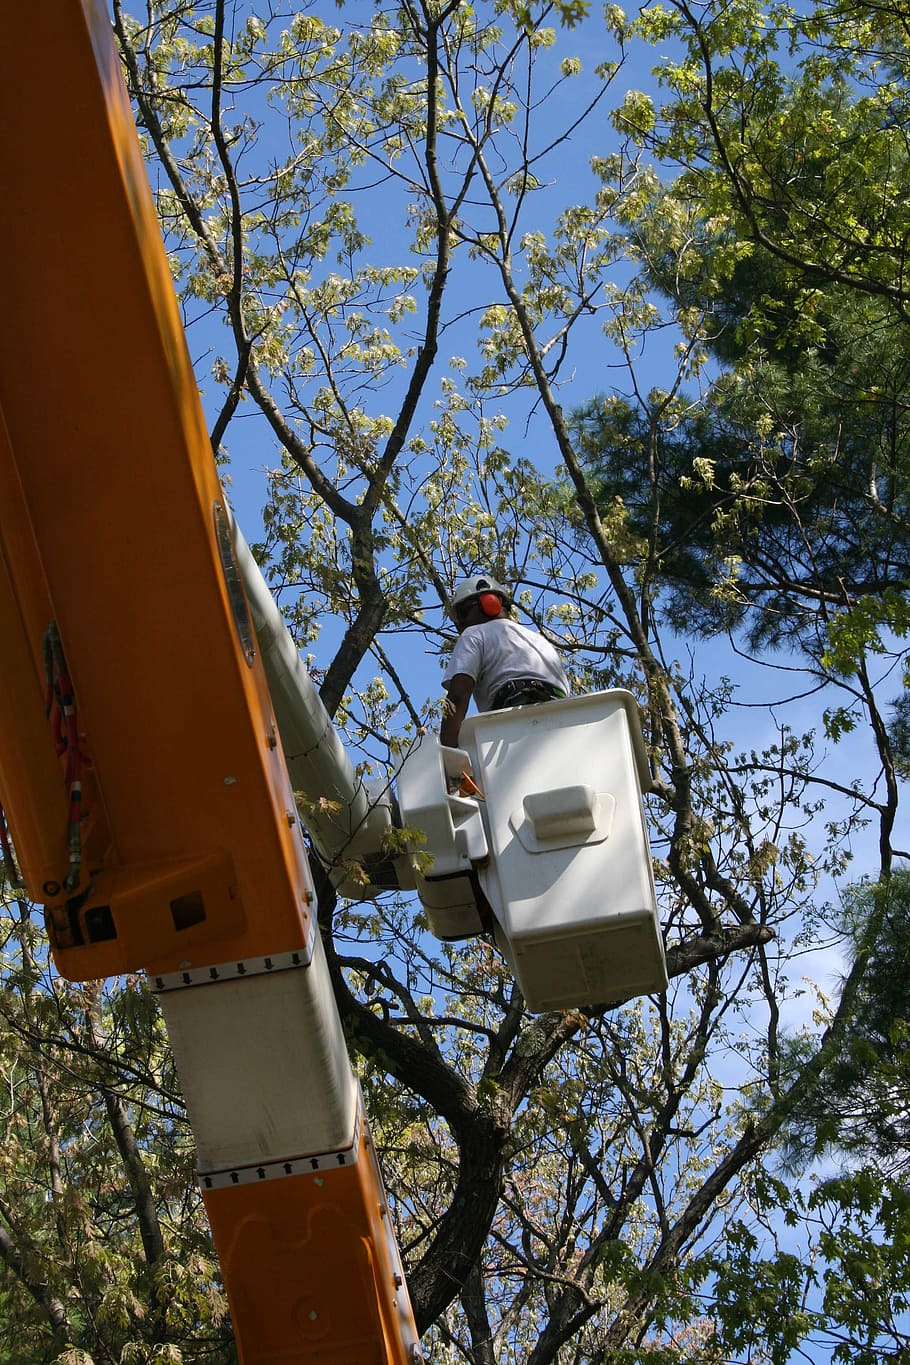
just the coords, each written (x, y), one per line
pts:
(171, 841)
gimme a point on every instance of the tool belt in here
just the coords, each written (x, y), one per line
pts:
(524, 692)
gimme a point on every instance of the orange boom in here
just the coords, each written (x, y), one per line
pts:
(140, 768)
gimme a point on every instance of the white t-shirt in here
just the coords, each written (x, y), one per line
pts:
(501, 651)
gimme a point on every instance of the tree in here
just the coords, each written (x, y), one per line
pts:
(785, 222)
(103, 1238)
(557, 1181)
(859, 1106)
(781, 492)
(848, 1298)
(791, 128)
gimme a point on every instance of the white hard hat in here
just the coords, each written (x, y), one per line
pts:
(470, 588)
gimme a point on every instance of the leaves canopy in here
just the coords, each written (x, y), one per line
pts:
(860, 1104)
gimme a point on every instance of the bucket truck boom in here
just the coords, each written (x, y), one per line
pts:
(166, 839)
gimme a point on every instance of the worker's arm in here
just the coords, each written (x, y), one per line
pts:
(459, 691)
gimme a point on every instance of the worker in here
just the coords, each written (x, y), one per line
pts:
(497, 661)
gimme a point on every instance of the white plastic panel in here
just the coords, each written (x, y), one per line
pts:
(454, 831)
(563, 818)
(263, 1065)
(602, 967)
(573, 890)
(450, 905)
(452, 824)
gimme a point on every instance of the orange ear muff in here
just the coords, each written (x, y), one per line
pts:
(490, 603)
